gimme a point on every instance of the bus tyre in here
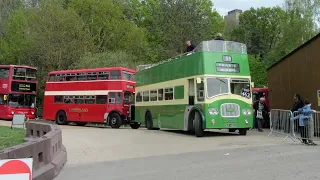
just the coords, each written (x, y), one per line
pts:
(61, 118)
(115, 120)
(135, 125)
(198, 124)
(243, 132)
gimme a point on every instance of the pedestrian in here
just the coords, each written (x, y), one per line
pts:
(306, 123)
(190, 46)
(219, 37)
(297, 103)
(261, 111)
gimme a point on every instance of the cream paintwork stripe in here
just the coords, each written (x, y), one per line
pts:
(79, 93)
(184, 82)
(193, 77)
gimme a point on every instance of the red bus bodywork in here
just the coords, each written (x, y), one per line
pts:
(98, 95)
(18, 90)
(260, 92)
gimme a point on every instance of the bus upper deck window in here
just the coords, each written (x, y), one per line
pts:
(4, 73)
(103, 75)
(51, 77)
(115, 75)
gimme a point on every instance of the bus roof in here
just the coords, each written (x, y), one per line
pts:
(93, 69)
(19, 66)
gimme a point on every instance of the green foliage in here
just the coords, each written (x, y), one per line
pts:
(259, 29)
(258, 71)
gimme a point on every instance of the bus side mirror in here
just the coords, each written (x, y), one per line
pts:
(198, 80)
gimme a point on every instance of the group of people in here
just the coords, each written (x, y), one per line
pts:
(305, 119)
(191, 47)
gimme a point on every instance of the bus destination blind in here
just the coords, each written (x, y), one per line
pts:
(228, 67)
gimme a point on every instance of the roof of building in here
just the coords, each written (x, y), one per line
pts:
(296, 50)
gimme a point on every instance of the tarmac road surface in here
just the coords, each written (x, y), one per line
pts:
(274, 162)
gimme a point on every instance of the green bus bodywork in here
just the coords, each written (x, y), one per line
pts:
(206, 89)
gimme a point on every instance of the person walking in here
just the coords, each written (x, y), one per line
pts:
(261, 111)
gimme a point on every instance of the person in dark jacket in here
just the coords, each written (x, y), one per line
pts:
(298, 103)
(219, 37)
(190, 46)
(261, 112)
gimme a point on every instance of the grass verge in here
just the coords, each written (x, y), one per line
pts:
(11, 137)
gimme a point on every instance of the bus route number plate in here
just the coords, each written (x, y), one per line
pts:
(230, 125)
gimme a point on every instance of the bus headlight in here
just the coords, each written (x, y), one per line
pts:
(246, 112)
(12, 112)
(213, 111)
(32, 112)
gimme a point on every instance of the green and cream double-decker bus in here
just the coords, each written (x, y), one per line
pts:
(206, 89)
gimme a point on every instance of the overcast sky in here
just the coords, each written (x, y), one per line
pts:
(224, 6)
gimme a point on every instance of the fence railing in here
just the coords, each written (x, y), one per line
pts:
(303, 126)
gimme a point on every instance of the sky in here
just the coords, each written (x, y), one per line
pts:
(224, 6)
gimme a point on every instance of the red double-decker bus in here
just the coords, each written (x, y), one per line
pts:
(18, 90)
(99, 95)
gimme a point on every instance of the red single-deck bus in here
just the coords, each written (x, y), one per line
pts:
(18, 90)
(100, 95)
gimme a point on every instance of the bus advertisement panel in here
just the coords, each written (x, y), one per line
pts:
(206, 89)
(18, 90)
(100, 95)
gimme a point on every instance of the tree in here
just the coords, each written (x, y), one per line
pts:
(171, 23)
(108, 27)
(259, 29)
(258, 71)
(6, 8)
(299, 27)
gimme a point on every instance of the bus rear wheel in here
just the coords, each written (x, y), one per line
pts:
(61, 118)
(243, 132)
(198, 124)
(135, 125)
(115, 120)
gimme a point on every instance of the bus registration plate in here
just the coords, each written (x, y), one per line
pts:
(230, 125)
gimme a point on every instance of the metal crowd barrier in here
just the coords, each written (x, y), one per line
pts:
(280, 123)
(306, 128)
(296, 125)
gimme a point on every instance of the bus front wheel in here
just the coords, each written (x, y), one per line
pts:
(115, 120)
(61, 118)
(243, 132)
(198, 124)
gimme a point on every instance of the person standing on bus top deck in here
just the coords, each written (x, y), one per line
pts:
(297, 104)
(260, 113)
(219, 37)
(190, 46)
(306, 123)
